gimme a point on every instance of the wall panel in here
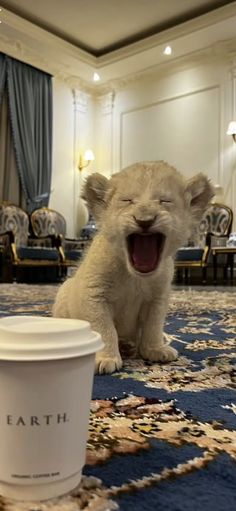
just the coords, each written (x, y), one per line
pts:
(183, 130)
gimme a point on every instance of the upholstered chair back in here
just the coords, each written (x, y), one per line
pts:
(14, 219)
(216, 220)
(45, 222)
(48, 222)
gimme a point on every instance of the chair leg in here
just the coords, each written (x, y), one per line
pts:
(64, 272)
(7, 271)
(215, 268)
(231, 265)
(204, 275)
(179, 275)
(186, 275)
(225, 273)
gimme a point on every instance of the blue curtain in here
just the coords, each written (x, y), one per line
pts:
(30, 102)
(3, 74)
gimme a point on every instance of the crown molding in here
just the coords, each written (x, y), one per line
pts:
(26, 41)
(220, 52)
(189, 27)
(17, 49)
(183, 46)
(23, 26)
(210, 36)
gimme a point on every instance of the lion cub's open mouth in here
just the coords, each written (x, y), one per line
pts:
(145, 250)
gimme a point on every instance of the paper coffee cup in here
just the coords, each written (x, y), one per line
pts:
(46, 376)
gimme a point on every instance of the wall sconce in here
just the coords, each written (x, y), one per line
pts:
(232, 130)
(85, 160)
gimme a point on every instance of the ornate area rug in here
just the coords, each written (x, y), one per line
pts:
(160, 436)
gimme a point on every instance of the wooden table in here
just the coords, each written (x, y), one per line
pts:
(230, 252)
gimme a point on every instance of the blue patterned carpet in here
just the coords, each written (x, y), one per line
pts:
(160, 436)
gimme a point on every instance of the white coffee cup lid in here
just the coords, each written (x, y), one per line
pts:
(33, 338)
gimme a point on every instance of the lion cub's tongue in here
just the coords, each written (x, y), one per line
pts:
(144, 252)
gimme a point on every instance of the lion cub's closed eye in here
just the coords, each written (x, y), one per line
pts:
(130, 201)
(166, 201)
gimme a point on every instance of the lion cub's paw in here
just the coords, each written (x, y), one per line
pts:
(159, 354)
(106, 364)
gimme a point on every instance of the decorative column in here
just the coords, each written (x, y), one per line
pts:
(230, 181)
(233, 196)
(80, 100)
(104, 133)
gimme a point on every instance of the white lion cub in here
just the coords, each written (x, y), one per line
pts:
(144, 214)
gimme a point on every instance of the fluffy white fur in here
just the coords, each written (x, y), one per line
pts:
(119, 300)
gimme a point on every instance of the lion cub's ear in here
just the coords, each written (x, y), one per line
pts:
(94, 192)
(198, 193)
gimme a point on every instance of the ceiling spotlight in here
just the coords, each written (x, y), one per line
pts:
(167, 50)
(96, 77)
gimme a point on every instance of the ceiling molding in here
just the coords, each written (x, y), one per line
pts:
(224, 51)
(209, 36)
(189, 27)
(23, 26)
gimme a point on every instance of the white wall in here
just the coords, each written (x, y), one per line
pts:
(180, 117)
(73, 132)
(63, 153)
(183, 130)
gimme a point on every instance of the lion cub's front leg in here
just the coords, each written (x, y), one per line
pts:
(152, 346)
(108, 360)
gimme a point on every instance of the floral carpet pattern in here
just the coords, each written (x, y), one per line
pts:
(160, 436)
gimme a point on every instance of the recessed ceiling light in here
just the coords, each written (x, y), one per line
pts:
(167, 50)
(96, 77)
